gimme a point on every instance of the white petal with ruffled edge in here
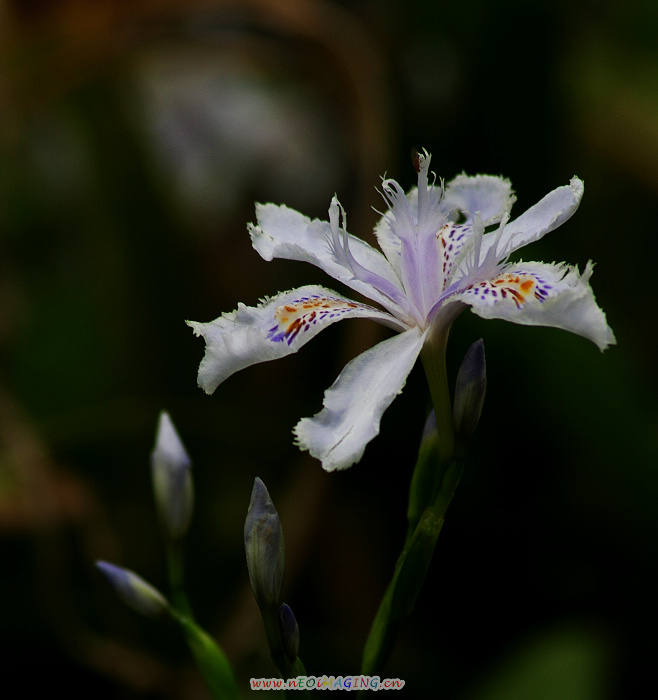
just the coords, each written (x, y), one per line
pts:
(279, 326)
(539, 294)
(490, 195)
(354, 404)
(545, 216)
(284, 233)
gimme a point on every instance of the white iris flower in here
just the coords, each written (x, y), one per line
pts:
(443, 248)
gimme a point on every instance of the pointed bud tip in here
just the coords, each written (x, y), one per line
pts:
(470, 390)
(261, 507)
(133, 590)
(474, 360)
(264, 548)
(172, 480)
(259, 492)
(289, 631)
(168, 446)
(430, 426)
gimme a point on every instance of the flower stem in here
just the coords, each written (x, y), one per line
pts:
(215, 668)
(436, 475)
(211, 660)
(174, 553)
(433, 357)
(409, 575)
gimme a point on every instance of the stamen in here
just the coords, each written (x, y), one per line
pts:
(416, 160)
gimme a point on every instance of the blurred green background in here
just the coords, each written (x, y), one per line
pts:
(135, 138)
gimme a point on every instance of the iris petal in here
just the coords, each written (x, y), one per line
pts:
(354, 405)
(490, 195)
(550, 212)
(539, 294)
(277, 327)
(284, 233)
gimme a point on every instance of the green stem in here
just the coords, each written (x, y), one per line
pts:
(409, 575)
(174, 554)
(275, 643)
(433, 485)
(297, 670)
(211, 660)
(433, 357)
(286, 668)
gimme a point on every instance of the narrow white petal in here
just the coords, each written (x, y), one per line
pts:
(354, 404)
(545, 216)
(284, 233)
(539, 294)
(277, 327)
(388, 241)
(490, 195)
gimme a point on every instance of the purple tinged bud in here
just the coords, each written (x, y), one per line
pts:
(430, 427)
(263, 541)
(470, 389)
(289, 632)
(133, 590)
(172, 479)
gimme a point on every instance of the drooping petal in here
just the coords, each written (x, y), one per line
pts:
(545, 216)
(277, 327)
(354, 404)
(539, 294)
(284, 233)
(490, 195)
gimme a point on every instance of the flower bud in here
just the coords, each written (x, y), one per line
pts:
(133, 590)
(470, 389)
(429, 429)
(263, 541)
(172, 480)
(289, 632)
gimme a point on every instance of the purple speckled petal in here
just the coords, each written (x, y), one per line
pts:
(277, 327)
(539, 294)
(450, 240)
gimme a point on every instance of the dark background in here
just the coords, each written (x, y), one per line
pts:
(135, 137)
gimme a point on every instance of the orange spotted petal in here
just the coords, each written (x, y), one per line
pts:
(277, 327)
